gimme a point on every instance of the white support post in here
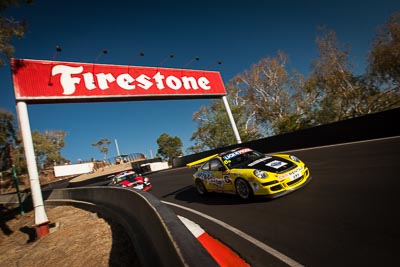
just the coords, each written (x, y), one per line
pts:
(41, 219)
(116, 145)
(233, 124)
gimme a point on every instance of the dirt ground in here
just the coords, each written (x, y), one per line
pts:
(77, 238)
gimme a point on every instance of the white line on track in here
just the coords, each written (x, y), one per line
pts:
(340, 144)
(252, 240)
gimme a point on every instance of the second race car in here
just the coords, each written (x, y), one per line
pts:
(131, 179)
(247, 172)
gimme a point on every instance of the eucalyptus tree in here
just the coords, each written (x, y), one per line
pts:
(383, 76)
(47, 146)
(333, 80)
(8, 137)
(169, 147)
(102, 145)
(270, 99)
(277, 97)
(214, 127)
(345, 95)
(384, 57)
(7, 128)
(10, 28)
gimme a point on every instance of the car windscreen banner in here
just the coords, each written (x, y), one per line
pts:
(39, 81)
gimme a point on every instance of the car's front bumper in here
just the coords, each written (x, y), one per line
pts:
(287, 191)
(282, 187)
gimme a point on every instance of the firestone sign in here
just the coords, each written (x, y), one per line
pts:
(53, 81)
(38, 81)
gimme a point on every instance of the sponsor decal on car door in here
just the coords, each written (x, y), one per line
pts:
(222, 181)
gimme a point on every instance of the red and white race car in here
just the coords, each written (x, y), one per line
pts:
(131, 179)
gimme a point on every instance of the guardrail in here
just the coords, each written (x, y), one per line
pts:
(159, 237)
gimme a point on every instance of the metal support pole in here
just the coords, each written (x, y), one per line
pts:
(116, 145)
(41, 220)
(233, 124)
(16, 181)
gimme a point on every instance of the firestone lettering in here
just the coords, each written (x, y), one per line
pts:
(69, 78)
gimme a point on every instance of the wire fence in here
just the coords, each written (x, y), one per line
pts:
(126, 158)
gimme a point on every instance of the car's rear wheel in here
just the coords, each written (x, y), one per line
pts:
(200, 187)
(243, 189)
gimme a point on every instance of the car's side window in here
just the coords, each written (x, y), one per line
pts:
(206, 166)
(215, 165)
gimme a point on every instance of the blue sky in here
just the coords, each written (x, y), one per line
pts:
(237, 33)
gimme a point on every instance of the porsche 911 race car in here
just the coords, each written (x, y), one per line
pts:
(131, 179)
(247, 172)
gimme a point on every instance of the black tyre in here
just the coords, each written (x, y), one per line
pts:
(200, 187)
(243, 189)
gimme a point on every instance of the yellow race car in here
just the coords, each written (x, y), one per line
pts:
(247, 172)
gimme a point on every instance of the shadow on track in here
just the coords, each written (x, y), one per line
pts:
(189, 195)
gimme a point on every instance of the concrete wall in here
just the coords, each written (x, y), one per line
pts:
(159, 237)
(372, 126)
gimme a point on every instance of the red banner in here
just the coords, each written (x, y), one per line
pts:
(54, 81)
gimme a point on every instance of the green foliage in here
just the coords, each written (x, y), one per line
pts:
(9, 137)
(265, 100)
(268, 99)
(275, 95)
(10, 28)
(344, 95)
(102, 145)
(215, 129)
(19, 159)
(47, 147)
(7, 128)
(169, 147)
(332, 78)
(384, 57)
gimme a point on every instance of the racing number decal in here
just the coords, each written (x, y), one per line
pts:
(210, 179)
(227, 179)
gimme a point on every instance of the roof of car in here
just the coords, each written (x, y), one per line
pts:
(200, 161)
(230, 151)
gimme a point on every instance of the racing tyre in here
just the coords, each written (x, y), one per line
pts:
(201, 189)
(243, 189)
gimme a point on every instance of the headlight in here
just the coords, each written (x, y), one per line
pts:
(260, 174)
(294, 158)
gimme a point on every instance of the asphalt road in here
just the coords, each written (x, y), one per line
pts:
(348, 215)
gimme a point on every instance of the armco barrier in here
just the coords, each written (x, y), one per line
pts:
(371, 126)
(159, 237)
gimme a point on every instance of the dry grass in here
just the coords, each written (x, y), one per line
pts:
(77, 238)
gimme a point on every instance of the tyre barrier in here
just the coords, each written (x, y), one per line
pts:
(158, 236)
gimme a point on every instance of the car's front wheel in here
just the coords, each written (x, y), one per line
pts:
(200, 187)
(243, 189)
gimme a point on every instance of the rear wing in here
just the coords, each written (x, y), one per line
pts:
(200, 161)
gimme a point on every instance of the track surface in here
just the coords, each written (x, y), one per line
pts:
(348, 215)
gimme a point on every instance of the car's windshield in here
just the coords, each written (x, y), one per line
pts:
(129, 177)
(241, 158)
